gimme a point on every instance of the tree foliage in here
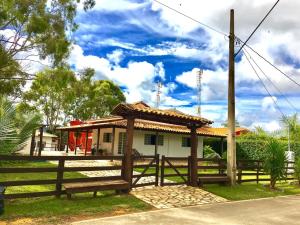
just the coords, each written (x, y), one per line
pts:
(31, 29)
(15, 129)
(274, 161)
(63, 96)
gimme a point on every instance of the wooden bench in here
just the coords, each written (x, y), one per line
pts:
(94, 186)
(223, 179)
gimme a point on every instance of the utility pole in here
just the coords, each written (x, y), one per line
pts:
(231, 144)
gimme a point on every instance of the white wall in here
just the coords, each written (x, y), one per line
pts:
(171, 146)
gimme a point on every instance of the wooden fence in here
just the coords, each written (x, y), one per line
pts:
(59, 170)
(252, 171)
(247, 170)
(174, 167)
(148, 164)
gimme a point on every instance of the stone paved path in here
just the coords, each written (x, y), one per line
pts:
(175, 196)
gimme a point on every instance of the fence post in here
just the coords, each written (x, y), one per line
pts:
(59, 177)
(162, 171)
(240, 171)
(157, 169)
(189, 170)
(257, 171)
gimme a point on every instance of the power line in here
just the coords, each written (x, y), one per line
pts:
(265, 87)
(271, 64)
(257, 27)
(191, 18)
(281, 93)
(226, 35)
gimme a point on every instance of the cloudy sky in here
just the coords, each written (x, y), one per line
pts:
(137, 43)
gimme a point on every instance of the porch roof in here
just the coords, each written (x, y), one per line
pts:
(141, 110)
(143, 125)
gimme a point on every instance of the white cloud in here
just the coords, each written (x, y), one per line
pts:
(268, 104)
(268, 126)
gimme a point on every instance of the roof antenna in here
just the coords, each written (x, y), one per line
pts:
(159, 86)
(199, 89)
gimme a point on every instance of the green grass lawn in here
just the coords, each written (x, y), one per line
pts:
(44, 208)
(252, 190)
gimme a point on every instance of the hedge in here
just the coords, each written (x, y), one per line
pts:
(249, 148)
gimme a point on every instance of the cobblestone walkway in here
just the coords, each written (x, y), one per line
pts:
(175, 196)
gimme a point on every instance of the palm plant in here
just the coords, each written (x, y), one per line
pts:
(209, 153)
(274, 162)
(13, 134)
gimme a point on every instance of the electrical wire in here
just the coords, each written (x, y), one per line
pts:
(273, 84)
(256, 28)
(265, 87)
(226, 36)
(191, 18)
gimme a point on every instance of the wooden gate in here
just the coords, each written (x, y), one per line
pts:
(176, 170)
(145, 167)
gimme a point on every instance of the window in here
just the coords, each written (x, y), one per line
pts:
(186, 142)
(121, 142)
(107, 137)
(150, 139)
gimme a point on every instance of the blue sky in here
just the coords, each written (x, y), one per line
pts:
(137, 43)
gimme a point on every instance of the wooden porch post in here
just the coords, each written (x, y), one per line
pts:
(113, 140)
(41, 141)
(67, 151)
(194, 163)
(86, 141)
(76, 134)
(98, 134)
(156, 143)
(128, 151)
(222, 146)
(32, 144)
(60, 140)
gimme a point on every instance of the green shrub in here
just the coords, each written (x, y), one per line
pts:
(209, 153)
(274, 161)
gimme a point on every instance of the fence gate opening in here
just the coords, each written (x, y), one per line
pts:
(177, 169)
(145, 170)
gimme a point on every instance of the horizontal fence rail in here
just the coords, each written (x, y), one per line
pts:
(253, 171)
(58, 169)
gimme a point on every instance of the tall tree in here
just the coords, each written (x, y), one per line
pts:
(31, 28)
(62, 96)
(94, 98)
(51, 93)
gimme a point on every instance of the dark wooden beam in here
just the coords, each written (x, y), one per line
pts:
(156, 143)
(32, 144)
(113, 140)
(127, 168)
(86, 141)
(67, 151)
(41, 141)
(194, 162)
(222, 146)
(76, 143)
(60, 140)
(98, 134)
